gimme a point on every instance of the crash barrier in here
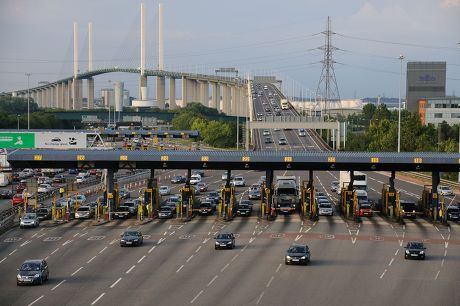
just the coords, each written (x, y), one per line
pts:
(7, 218)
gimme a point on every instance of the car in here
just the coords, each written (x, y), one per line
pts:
(202, 187)
(224, 240)
(254, 194)
(32, 271)
(29, 220)
(124, 194)
(302, 133)
(132, 205)
(79, 179)
(84, 212)
(131, 238)
(17, 199)
(246, 202)
(282, 141)
(44, 180)
(238, 181)
(297, 254)
(43, 213)
(72, 171)
(45, 188)
(195, 179)
(77, 198)
(244, 210)
(268, 140)
(445, 190)
(178, 179)
(277, 129)
(224, 176)
(28, 194)
(6, 194)
(325, 209)
(164, 190)
(165, 212)
(206, 209)
(122, 212)
(266, 132)
(335, 186)
(453, 213)
(58, 178)
(415, 249)
(365, 209)
(198, 171)
(93, 171)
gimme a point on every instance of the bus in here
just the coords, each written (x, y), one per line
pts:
(284, 104)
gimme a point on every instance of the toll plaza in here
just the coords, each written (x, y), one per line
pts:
(112, 160)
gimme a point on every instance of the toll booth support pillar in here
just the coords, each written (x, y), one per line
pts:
(269, 184)
(312, 205)
(110, 187)
(434, 194)
(151, 183)
(392, 181)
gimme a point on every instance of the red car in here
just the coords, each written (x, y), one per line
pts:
(365, 210)
(17, 199)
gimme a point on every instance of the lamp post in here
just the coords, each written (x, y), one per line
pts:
(18, 120)
(401, 58)
(28, 101)
(237, 114)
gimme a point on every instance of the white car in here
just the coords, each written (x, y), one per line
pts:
(325, 209)
(80, 179)
(238, 181)
(195, 179)
(165, 190)
(45, 188)
(445, 190)
(266, 132)
(83, 212)
(29, 220)
(224, 176)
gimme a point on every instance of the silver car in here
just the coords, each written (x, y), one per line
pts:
(29, 220)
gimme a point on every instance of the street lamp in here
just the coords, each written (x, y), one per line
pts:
(401, 58)
(28, 101)
(18, 120)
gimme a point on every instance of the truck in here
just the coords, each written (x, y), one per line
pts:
(286, 194)
(284, 104)
(4, 164)
(5, 178)
(359, 181)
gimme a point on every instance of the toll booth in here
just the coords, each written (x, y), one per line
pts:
(227, 208)
(348, 203)
(433, 205)
(264, 198)
(187, 202)
(151, 201)
(390, 202)
(308, 205)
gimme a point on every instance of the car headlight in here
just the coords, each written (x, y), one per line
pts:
(288, 257)
(37, 275)
(422, 252)
(229, 242)
(135, 240)
(303, 257)
(407, 252)
(19, 276)
(123, 240)
(217, 243)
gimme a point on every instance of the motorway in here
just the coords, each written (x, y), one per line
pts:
(177, 265)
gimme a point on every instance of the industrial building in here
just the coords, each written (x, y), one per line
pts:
(437, 110)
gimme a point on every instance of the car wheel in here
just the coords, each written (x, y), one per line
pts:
(215, 248)
(423, 257)
(286, 262)
(41, 280)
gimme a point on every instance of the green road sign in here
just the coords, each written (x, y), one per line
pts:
(17, 140)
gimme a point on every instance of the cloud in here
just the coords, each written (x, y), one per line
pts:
(450, 3)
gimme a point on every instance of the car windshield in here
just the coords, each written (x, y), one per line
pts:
(30, 266)
(131, 233)
(415, 245)
(453, 209)
(83, 208)
(29, 216)
(324, 205)
(244, 206)
(296, 249)
(123, 208)
(224, 236)
(365, 205)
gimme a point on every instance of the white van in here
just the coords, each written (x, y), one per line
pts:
(195, 179)
(4, 179)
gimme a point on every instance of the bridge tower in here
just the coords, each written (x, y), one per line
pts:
(90, 81)
(143, 78)
(160, 79)
(76, 83)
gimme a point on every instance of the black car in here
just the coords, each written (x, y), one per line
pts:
(32, 271)
(213, 197)
(298, 254)
(6, 194)
(415, 249)
(453, 213)
(131, 238)
(178, 179)
(122, 212)
(43, 213)
(244, 210)
(165, 213)
(206, 209)
(224, 241)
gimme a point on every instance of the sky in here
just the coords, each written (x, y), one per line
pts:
(257, 37)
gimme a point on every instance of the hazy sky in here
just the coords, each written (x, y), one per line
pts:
(265, 37)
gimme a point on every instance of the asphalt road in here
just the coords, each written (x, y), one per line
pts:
(177, 265)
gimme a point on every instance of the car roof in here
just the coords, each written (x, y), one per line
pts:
(32, 261)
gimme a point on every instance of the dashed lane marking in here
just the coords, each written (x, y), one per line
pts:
(91, 259)
(130, 269)
(76, 271)
(38, 299)
(116, 282)
(381, 276)
(212, 280)
(54, 251)
(270, 281)
(60, 283)
(260, 298)
(142, 258)
(105, 248)
(13, 252)
(151, 249)
(225, 267)
(197, 296)
(180, 268)
(98, 298)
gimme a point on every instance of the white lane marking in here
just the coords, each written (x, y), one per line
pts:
(34, 235)
(234, 257)
(169, 227)
(391, 261)
(12, 252)
(252, 239)
(58, 285)
(199, 247)
(75, 235)
(91, 259)
(260, 298)
(253, 233)
(279, 267)
(141, 259)
(180, 268)
(39, 236)
(161, 240)
(381, 276)
(443, 237)
(448, 237)
(114, 284)
(194, 299)
(54, 251)
(400, 242)
(98, 298)
(436, 228)
(153, 248)
(437, 274)
(130, 269)
(26, 242)
(442, 262)
(270, 281)
(446, 244)
(225, 267)
(164, 234)
(212, 280)
(172, 233)
(100, 252)
(81, 235)
(2, 259)
(190, 258)
(397, 251)
(206, 240)
(36, 300)
(46, 258)
(76, 271)
(113, 241)
(67, 242)
(298, 237)
(353, 240)
(445, 252)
